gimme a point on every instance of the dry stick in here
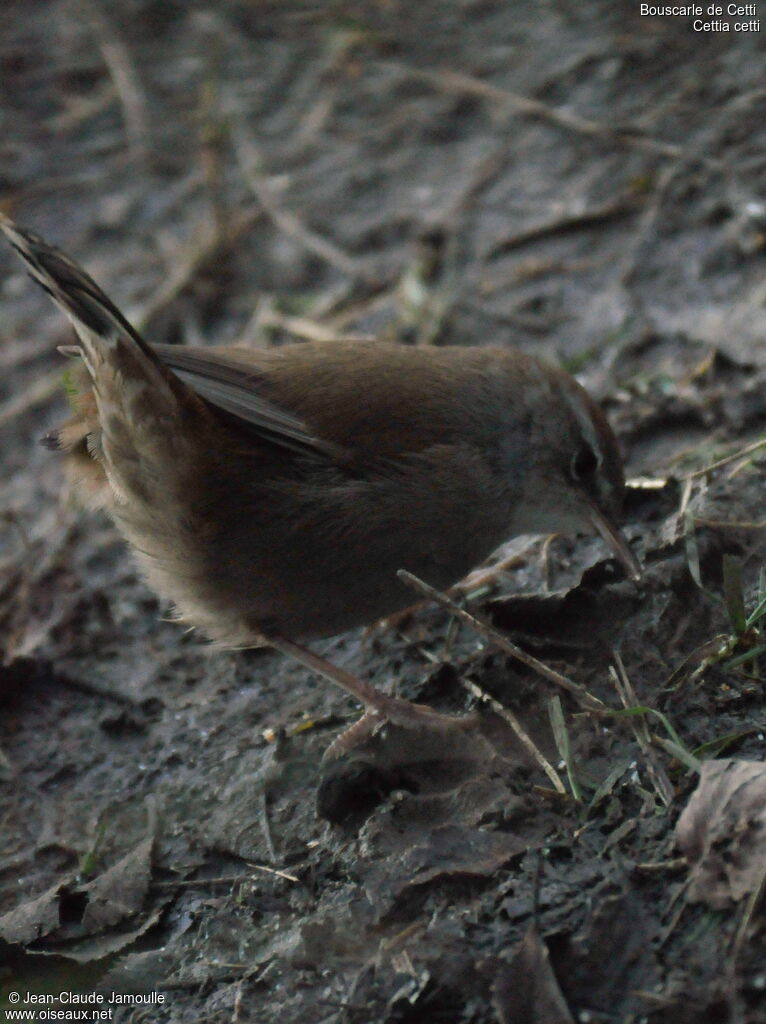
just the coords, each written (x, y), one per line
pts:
(478, 578)
(188, 263)
(122, 71)
(505, 713)
(525, 739)
(657, 774)
(456, 82)
(311, 330)
(531, 322)
(484, 172)
(622, 206)
(480, 624)
(630, 259)
(351, 309)
(662, 867)
(189, 883)
(249, 159)
(747, 450)
(81, 108)
(36, 394)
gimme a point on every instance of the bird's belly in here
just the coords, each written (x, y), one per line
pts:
(322, 591)
(311, 559)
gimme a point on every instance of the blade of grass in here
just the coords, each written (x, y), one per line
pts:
(680, 753)
(643, 709)
(757, 613)
(561, 735)
(754, 652)
(714, 747)
(608, 784)
(733, 593)
(654, 768)
(692, 549)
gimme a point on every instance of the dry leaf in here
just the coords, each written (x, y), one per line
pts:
(722, 831)
(526, 990)
(70, 910)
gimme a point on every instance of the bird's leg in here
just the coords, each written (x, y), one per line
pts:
(379, 707)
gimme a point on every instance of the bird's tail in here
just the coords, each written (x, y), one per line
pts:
(101, 328)
(131, 418)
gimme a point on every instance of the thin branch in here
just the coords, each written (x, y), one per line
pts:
(188, 262)
(480, 624)
(122, 70)
(304, 327)
(39, 392)
(250, 162)
(740, 454)
(466, 85)
(201, 883)
(523, 736)
(622, 206)
(657, 774)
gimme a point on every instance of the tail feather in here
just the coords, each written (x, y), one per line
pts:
(131, 407)
(108, 341)
(70, 287)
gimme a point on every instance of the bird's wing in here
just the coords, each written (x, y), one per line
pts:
(100, 325)
(235, 387)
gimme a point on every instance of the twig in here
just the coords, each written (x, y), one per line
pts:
(622, 206)
(678, 897)
(212, 129)
(249, 158)
(188, 263)
(630, 258)
(741, 453)
(457, 82)
(40, 391)
(303, 327)
(524, 738)
(122, 70)
(266, 824)
(484, 172)
(480, 580)
(530, 322)
(190, 883)
(480, 624)
(662, 867)
(78, 109)
(657, 774)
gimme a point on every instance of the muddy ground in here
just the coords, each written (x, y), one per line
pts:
(572, 178)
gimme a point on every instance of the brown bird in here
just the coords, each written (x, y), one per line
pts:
(273, 495)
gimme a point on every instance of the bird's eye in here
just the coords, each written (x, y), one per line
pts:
(584, 463)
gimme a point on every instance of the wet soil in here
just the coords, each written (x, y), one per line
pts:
(575, 179)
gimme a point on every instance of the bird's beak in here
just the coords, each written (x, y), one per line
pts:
(616, 542)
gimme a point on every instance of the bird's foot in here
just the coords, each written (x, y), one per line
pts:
(402, 714)
(380, 708)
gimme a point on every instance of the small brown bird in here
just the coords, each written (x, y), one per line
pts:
(273, 495)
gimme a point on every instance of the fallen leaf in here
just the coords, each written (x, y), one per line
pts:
(722, 832)
(73, 910)
(526, 990)
(445, 851)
